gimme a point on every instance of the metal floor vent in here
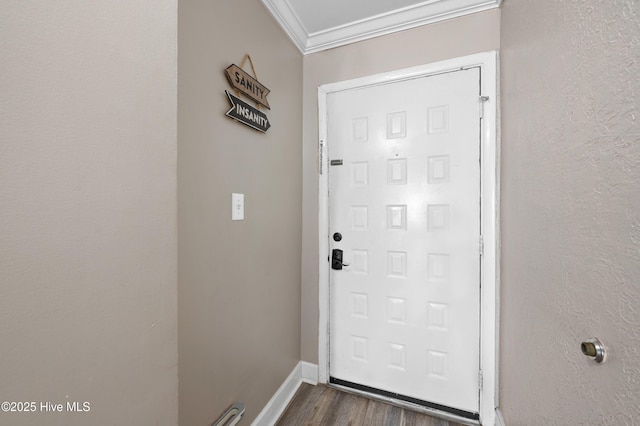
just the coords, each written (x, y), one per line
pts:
(232, 416)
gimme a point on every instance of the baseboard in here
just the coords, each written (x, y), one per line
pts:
(499, 419)
(309, 373)
(280, 400)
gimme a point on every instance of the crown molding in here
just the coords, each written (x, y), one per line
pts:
(427, 12)
(289, 21)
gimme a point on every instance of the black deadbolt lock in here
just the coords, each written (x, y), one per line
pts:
(337, 237)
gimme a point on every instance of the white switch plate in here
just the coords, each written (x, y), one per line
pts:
(237, 206)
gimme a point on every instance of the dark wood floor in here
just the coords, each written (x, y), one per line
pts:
(321, 405)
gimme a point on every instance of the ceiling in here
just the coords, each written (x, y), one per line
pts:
(316, 25)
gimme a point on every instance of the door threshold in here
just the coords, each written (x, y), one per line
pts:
(395, 399)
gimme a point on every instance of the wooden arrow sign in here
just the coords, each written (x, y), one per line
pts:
(247, 85)
(246, 114)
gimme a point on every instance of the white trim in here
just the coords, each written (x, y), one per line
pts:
(280, 400)
(499, 418)
(284, 14)
(490, 291)
(323, 227)
(490, 211)
(309, 372)
(426, 12)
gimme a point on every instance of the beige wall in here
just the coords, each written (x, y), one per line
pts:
(239, 282)
(475, 33)
(88, 210)
(570, 211)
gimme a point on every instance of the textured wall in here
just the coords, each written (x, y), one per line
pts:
(239, 282)
(479, 32)
(88, 210)
(570, 211)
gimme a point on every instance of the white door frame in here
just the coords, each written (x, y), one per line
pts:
(490, 160)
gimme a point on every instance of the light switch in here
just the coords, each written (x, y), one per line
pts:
(237, 206)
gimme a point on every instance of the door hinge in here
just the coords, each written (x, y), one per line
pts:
(481, 245)
(480, 379)
(483, 99)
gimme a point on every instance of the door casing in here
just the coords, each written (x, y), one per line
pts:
(490, 195)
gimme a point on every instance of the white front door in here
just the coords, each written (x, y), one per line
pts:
(404, 195)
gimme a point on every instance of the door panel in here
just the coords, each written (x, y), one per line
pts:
(405, 308)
